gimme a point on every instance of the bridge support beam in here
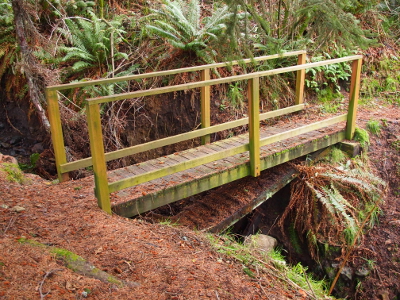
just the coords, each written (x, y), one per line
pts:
(254, 125)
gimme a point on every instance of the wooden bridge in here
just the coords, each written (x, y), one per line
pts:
(141, 187)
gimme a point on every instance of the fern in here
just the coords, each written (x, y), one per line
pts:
(89, 44)
(179, 23)
(326, 201)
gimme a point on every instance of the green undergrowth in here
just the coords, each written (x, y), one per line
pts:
(382, 81)
(13, 173)
(273, 264)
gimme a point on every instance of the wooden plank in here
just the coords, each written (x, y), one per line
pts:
(170, 72)
(205, 105)
(86, 162)
(300, 79)
(302, 149)
(192, 85)
(148, 202)
(99, 162)
(301, 130)
(180, 191)
(56, 133)
(254, 125)
(128, 182)
(353, 101)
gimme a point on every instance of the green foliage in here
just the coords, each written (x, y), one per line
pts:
(273, 261)
(179, 23)
(235, 95)
(32, 163)
(8, 47)
(337, 155)
(13, 173)
(382, 81)
(90, 44)
(325, 204)
(361, 136)
(374, 126)
(328, 76)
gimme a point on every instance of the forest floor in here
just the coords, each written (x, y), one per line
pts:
(159, 261)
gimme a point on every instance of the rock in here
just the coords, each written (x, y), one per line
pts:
(15, 139)
(4, 206)
(261, 242)
(347, 272)
(362, 272)
(5, 145)
(8, 159)
(388, 242)
(37, 148)
(18, 209)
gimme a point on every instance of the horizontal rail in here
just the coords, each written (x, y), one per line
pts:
(128, 182)
(86, 162)
(171, 72)
(301, 130)
(192, 85)
(148, 176)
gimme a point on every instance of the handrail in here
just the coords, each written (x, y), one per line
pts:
(192, 85)
(86, 162)
(63, 167)
(99, 158)
(72, 85)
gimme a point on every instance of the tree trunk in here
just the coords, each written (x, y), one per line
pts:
(30, 66)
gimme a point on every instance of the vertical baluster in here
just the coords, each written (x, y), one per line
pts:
(99, 161)
(353, 101)
(300, 78)
(205, 105)
(56, 132)
(254, 125)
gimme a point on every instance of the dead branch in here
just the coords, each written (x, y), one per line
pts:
(48, 274)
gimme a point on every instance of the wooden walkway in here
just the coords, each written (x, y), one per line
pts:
(142, 187)
(149, 195)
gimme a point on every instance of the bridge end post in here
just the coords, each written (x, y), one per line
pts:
(99, 161)
(254, 125)
(56, 132)
(353, 101)
(300, 79)
(205, 105)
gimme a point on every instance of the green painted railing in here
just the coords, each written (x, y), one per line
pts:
(99, 157)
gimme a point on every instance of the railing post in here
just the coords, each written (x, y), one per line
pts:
(254, 125)
(56, 132)
(300, 78)
(205, 105)
(353, 101)
(99, 161)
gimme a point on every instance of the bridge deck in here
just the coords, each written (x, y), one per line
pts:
(146, 196)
